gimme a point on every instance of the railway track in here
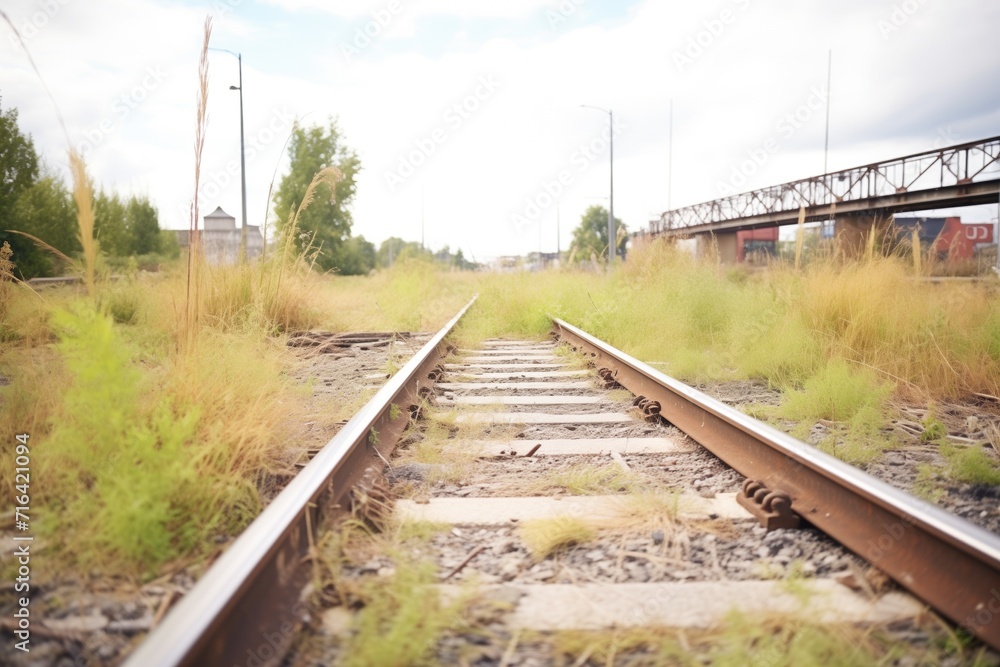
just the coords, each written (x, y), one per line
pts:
(590, 508)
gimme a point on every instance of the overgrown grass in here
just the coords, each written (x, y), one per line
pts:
(402, 619)
(140, 469)
(771, 641)
(971, 465)
(160, 404)
(840, 337)
(413, 295)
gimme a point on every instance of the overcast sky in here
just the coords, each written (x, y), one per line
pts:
(473, 108)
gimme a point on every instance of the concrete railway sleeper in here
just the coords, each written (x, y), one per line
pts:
(581, 507)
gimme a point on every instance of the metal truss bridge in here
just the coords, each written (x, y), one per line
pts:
(962, 175)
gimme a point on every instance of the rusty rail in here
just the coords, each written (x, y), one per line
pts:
(245, 608)
(949, 563)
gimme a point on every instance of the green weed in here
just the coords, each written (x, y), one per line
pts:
(971, 465)
(402, 619)
(121, 487)
(933, 428)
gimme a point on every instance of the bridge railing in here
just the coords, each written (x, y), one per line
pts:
(939, 168)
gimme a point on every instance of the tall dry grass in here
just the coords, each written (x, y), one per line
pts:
(163, 403)
(843, 338)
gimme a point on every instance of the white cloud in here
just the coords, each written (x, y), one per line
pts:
(358, 8)
(889, 97)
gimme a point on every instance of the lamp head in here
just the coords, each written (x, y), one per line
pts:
(234, 88)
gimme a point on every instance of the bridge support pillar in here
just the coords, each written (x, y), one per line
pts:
(720, 245)
(851, 232)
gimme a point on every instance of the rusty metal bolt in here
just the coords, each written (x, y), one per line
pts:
(750, 487)
(778, 502)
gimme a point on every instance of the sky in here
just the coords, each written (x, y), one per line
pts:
(467, 116)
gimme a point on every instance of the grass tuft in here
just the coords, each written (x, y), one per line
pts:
(971, 465)
(544, 537)
(587, 479)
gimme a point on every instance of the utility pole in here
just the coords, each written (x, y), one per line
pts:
(670, 154)
(539, 242)
(243, 155)
(612, 237)
(558, 242)
(826, 136)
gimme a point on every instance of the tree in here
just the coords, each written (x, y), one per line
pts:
(143, 224)
(18, 172)
(126, 228)
(46, 211)
(356, 257)
(591, 237)
(326, 222)
(18, 164)
(394, 249)
(110, 225)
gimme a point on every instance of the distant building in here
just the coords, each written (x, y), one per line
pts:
(752, 246)
(949, 237)
(545, 260)
(757, 246)
(221, 238)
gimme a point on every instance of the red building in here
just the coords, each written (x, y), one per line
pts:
(755, 245)
(948, 236)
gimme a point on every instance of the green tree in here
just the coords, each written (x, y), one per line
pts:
(591, 236)
(394, 249)
(18, 171)
(111, 224)
(46, 211)
(18, 163)
(326, 222)
(143, 225)
(355, 257)
(169, 246)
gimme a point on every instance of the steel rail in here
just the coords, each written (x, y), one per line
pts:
(946, 561)
(243, 609)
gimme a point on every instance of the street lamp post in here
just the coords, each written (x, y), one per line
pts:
(243, 155)
(612, 236)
